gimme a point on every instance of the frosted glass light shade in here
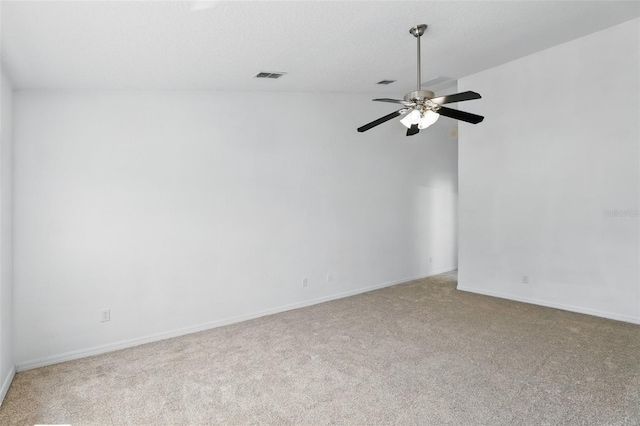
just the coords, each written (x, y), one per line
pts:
(428, 119)
(412, 118)
(422, 120)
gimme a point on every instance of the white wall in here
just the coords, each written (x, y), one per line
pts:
(559, 146)
(180, 210)
(6, 260)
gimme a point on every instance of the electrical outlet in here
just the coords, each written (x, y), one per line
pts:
(329, 278)
(304, 282)
(106, 315)
(525, 279)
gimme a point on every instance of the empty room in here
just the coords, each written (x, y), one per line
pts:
(320, 212)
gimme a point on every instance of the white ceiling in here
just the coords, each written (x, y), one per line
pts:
(324, 46)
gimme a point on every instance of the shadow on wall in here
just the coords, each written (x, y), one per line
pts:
(435, 200)
(435, 224)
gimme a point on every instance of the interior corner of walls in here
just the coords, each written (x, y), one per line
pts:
(6, 77)
(6, 383)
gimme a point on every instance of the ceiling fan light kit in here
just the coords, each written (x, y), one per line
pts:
(421, 107)
(421, 119)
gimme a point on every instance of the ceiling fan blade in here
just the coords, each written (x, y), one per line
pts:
(460, 115)
(394, 101)
(379, 121)
(413, 130)
(458, 97)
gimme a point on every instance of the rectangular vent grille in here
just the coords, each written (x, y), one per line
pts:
(263, 74)
(386, 82)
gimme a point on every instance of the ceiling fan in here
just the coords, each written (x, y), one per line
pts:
(421, 107)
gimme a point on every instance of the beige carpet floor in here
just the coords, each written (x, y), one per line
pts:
(417, 353)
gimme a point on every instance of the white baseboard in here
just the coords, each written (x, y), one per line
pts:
(564, 307)
(110, 347)
(6, 383)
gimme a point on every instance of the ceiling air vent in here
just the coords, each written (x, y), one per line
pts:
(263, 74)
(386, 82)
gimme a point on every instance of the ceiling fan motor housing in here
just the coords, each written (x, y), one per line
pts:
(419, 95)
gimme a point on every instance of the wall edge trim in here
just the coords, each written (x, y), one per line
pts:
(561, 306)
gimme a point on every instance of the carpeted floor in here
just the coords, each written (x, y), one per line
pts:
(417, 353)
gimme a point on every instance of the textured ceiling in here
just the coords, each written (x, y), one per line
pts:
(323, 46)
